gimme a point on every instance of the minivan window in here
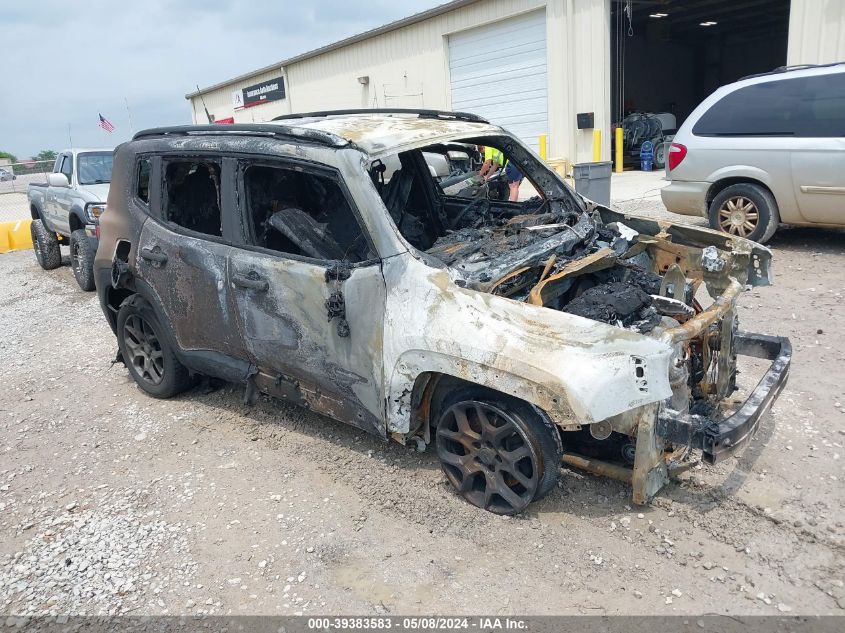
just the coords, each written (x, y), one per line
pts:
(803, 107)
(822, 112)
(193, 195)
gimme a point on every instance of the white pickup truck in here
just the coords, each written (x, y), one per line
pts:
(66, 210)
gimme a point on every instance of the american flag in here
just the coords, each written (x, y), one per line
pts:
(106, 124)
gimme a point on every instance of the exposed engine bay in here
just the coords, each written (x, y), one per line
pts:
(574, 256)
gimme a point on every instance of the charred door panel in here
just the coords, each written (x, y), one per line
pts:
(189, 275)
(284, 312)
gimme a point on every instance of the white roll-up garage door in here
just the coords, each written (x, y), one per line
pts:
(499, 72)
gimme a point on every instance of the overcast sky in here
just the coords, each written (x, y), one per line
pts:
(64, 62)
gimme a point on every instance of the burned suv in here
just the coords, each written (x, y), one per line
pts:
(320, 259)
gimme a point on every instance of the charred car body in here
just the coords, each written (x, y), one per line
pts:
(514, 335)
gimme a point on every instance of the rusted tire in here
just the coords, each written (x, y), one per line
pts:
(46, 245)
(82, 251)
(745, 210)
(498, 453)
(146, 350)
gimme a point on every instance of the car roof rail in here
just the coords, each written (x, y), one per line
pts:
(422, 114)
(301, 134)
(786, 69)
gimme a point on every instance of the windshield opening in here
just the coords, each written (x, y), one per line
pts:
(95, 168)
(442, 188)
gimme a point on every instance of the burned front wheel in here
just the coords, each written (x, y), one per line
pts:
(500, 455)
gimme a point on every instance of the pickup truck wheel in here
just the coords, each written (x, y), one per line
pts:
(46, 246)
(146, 353)
(82, 251)
(745, 210)
(499, 454)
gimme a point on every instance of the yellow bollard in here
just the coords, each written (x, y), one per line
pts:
(543, 147)
(619, 157)
(596, 145)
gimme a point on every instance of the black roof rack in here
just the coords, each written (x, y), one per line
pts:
(423, 114)
(786, 69)
(247, 129)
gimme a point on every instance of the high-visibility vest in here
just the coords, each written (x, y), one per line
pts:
(494, 155)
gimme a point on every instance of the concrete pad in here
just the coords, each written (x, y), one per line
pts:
(638, 192)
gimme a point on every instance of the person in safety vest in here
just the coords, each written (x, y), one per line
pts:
(494, 160)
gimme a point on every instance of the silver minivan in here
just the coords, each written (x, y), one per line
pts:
(766, 150)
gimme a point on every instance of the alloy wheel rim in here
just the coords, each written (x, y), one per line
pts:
(487, 457)
(144, 349)
(739, 216)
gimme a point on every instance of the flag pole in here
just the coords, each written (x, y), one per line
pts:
(129, 114)
(207, 115)
(69, 137)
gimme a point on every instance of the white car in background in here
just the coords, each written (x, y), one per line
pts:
(766, 150)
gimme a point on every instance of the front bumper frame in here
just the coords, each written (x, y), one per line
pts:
(720, 438)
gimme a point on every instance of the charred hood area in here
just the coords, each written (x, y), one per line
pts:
(564, 259)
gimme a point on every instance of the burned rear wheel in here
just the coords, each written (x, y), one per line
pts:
(143, 350)
(499, 455)
(146, 351)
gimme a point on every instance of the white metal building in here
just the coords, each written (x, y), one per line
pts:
(532, 65)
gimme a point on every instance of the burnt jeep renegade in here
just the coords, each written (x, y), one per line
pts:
(354, 263)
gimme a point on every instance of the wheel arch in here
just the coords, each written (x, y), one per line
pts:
(419, 379)
(720, 185)
(77, 220)
(208, 362)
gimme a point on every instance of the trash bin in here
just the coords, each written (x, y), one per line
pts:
(592, 180)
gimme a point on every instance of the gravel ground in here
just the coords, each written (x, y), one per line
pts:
(113, 502)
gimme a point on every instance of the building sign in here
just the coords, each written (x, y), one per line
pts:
(266, 91)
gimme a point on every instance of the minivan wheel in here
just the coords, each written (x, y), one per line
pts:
(147, 353)
(46, 245)
(499, 454)
(82, 251)
(745, 210)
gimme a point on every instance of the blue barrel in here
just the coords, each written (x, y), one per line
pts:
(646, 155)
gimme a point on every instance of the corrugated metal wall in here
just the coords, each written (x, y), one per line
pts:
(409, 67)
(816, 32)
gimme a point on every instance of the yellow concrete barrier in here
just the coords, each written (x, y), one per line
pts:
(15, 236)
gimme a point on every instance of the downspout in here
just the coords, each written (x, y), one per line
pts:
(288, 91)
(570, 43)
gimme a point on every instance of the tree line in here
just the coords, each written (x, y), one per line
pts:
(43, 155)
